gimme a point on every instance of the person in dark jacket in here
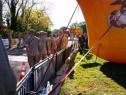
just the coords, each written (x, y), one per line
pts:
(7, 78)
(81, 41)
(43, 45)
(33, 48)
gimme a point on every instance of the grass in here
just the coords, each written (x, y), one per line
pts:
(90, 80)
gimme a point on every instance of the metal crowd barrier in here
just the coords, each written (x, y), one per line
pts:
(26, 84)
(35, 77)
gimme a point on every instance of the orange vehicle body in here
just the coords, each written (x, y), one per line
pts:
(100, 17)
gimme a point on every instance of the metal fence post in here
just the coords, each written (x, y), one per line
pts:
(32, 80)
(55, 64)
(64, 55)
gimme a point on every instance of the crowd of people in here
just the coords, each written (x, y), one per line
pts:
(41, 45)
(38, 46)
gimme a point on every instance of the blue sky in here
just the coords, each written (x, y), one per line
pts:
(60, 12)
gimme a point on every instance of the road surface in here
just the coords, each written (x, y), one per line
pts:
(16, 64)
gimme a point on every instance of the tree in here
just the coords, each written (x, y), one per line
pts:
(74, 25)
(1, 17)
(22, 16)
(83, 26)
(15, 7)
(80, 24)
(37, 19)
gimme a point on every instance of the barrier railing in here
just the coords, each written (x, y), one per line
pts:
(32, 79)
(25, 85)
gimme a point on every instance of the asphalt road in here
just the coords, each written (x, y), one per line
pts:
(16, 64)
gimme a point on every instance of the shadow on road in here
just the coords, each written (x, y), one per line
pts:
(116, 72)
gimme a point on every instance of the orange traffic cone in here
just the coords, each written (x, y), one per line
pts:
(22, 71)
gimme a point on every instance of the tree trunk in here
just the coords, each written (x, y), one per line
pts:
(13, 16)
(10, 39)
(13, 22)
(19, 39)
(1, 19)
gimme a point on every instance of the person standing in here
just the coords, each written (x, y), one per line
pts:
(63, 40)
(82, 44)
(43, 45)
(32, 48)
(86, 40)
(53, 45)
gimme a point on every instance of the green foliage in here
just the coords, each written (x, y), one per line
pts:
(22, 25)
(39, 20)
(3, 34)
(56, 30)
(74, 25)
(35, 19)
(83, 26)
